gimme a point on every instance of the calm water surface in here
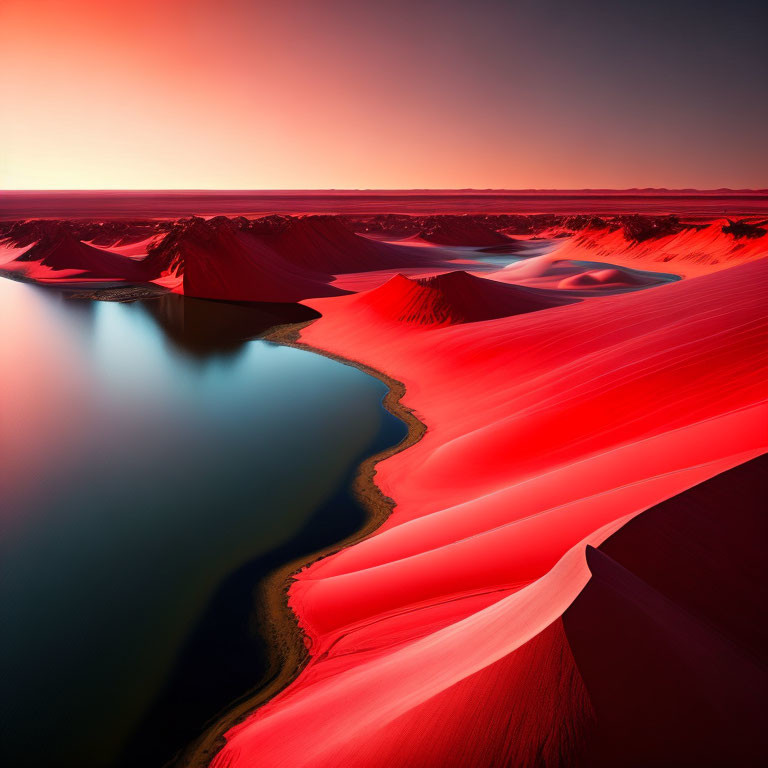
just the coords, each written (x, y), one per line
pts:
(153, 468)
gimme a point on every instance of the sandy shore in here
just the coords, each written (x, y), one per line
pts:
(86, 290)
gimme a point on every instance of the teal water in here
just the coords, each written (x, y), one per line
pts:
(148, 475)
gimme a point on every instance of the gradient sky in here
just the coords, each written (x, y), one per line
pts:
(314, 94)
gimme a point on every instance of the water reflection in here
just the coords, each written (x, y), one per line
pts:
(201, 327)
(145, 485)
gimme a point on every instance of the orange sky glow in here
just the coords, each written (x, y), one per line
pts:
(302, 94)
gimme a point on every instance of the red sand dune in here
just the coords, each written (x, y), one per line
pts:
(445, 299)
(601, 277)
(666, 636)
(365, 281)
(323, 243)
(461, 231)
(219, 260)
(690, 252)
(55, 253)
(311, 248)
(550, 272)
(273, 259)
(438, 639)
(118, 234)
(134, 249)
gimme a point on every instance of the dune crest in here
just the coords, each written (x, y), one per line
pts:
(551, 273)
(50, 250)
(460, 231)
(324, 243)
(450, 298)
(274, 258)
(218, 259)
(691, 251)
(601, 277)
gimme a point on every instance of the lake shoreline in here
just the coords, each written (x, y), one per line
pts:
(284, 637)
(263, 597)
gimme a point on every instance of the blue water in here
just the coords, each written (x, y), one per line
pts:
(149, 477)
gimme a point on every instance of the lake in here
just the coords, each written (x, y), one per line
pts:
(154, 467)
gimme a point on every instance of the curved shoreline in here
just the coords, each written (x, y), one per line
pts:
(288, 654)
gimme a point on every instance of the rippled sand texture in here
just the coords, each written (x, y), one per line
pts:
(438, 640)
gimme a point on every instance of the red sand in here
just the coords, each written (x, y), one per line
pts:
(446, 299)
(550, 272)
(667, 637)
(59, 255)
(600, 277)
(691, 252)
(364, 281)
(136, 250)
(462, 231)
(322, 242)
(546, 432)
(216, 260)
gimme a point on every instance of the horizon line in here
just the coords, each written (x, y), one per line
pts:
(411, 190)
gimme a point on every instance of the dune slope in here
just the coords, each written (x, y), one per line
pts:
(272, 259)
(447, 299)
(692, 251)
(218, 260)
(55, 252)
(552, 273)
(460, 231)
(323, 243)
(667, 635)
(547, 432)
